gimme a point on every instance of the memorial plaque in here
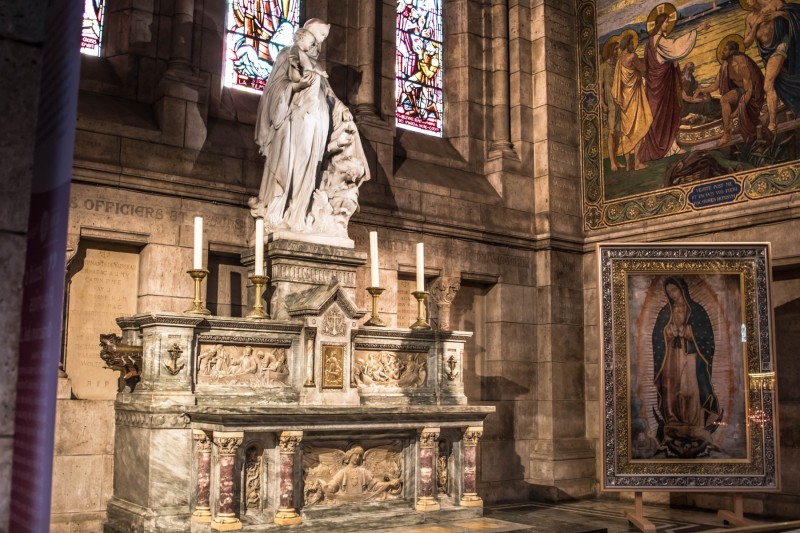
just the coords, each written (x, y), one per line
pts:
(103, 286)
(406, 303)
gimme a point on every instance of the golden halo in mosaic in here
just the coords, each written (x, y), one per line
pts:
(662, 9)
(735, 37)
(634, 37)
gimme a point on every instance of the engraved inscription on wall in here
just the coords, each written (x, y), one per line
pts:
(103, 286)
(406, 303)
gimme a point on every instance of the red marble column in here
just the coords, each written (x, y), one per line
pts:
(426, 479)
(470, 496)
(287, 445)
(227, 444)
(202, 506)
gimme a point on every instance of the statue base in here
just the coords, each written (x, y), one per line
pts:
(325, 240)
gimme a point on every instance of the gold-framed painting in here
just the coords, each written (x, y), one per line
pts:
(333, 366)
(686, 105)
(688, 375)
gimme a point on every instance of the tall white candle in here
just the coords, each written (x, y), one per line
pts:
(259, 247)
(373, 258)
(420, 267)
(198, 243)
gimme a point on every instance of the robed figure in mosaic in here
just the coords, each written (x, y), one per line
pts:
(314, 159)
(683, 353)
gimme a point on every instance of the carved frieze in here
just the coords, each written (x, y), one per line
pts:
(261, 366)
(337, 473)
(390, 369)
(151, 420)
(261, 341)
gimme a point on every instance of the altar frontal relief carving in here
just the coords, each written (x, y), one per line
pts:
(341, 472)
(260, 366)
(686, 105)
(390, 369)
(686, 337)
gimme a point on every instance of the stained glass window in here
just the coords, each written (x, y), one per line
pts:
(256, 31)
(93, 11)
(418, 69)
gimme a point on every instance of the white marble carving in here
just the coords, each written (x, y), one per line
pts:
(242, 365)
(334, 476)
(252, 482)
(308, 137)
(391, 369)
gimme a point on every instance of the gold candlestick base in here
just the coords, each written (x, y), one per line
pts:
(375, 319)
(197, 274)
(420, 323)
(258, 308)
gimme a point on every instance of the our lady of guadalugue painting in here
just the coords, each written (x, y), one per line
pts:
(687, 104)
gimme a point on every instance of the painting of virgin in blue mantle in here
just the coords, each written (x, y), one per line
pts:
(687, 367)
(691, 91)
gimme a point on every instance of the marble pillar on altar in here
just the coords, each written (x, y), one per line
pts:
(202, 507)
(470, 496)
(426, 479)
(227, 443)
(287, 446)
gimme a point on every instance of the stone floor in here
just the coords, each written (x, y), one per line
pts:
(575, 517)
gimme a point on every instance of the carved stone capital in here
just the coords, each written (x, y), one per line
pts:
(228, 442)
(288, 441)
(202, 440)
(443, 289)
(428, 437)
(472, 435)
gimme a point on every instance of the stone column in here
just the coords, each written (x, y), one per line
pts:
(287, 445)
(426, 480)
(181, 46)
(227, 444)
(202, 506)
(501, 113)
(365, 99)
(470, 497)
(443, 292)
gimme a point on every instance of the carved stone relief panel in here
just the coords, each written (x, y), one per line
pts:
(224, 364)
(442, 467)
(337, 472)
(334, 323)
(390, 369)
(253, 479)
(332, 366)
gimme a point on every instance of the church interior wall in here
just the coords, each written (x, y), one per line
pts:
(496, 201)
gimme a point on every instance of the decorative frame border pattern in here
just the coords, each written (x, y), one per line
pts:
(759, 469)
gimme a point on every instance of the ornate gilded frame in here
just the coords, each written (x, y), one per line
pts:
(598, 213)
(625, 270)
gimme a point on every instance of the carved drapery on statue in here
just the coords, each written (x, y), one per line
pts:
(334, 475)
(315, 163)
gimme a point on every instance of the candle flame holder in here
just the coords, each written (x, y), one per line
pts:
(197, 274)
(375, 319)
(420, 324)
(258, 308)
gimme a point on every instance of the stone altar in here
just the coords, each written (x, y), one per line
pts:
(308, 419)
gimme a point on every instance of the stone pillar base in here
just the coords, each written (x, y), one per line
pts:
(471, 500)
(225, 522)
(287, 517)
(201, 516)
(427, 504)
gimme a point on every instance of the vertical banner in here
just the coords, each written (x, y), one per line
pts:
(43, 283)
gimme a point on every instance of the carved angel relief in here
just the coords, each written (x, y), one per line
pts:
(242, 365)
(393, 369)
(333, 476)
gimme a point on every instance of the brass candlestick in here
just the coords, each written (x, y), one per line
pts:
(258, 308)
(420, 323)
(375, 319)
(197, 275)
